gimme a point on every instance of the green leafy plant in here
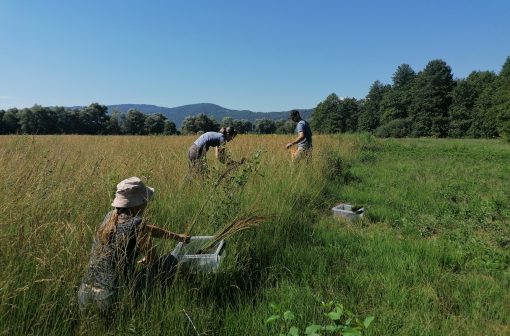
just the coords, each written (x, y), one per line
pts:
(228, 186)
(338, 321)
(285, 319)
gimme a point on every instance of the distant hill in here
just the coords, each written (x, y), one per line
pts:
(177, 114)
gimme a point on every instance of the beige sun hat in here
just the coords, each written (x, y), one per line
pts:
(132, 192)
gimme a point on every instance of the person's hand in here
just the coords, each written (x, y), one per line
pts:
(289, 145)
(184, 238)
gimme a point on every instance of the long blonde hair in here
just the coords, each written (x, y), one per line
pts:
(105, 232)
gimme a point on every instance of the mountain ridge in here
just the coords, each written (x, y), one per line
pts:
(178, 113)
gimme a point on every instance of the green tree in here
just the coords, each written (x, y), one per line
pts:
(10, 121)
(403, 77)
(94, 119)
(464, 97)
(27, 121)
(155, 124)
(285, 126)
(45, 119)
(324, 113)
(396, 100)
(170, 128)
(336, 115)
(243, 126)
(227, 122)
(349, 111)
(370, 115)
(502, 102)
(265, 126)
(135, 122)
(484, 122)
(116, 122)
(2, 127)
(69, 121)
(199, 123)
(431, 99)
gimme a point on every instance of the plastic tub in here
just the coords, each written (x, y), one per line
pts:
(345, 211)
(187, 256)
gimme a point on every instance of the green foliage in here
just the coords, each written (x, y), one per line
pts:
(431, 99)
(397, 128)
(403, 76)
(227, 184)
(242, 126)
(323, 113)
(285, 126)
(169, 128)
(370, 116)
(94, 119)
(265, 126)
(335, 115)
(135, 122)
(339, 321)
(199, 123)
(154, 124)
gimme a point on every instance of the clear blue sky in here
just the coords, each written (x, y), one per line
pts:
(257, 55)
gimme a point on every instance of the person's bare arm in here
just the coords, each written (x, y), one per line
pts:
(158, 232)
(301, 136)
(147, 249)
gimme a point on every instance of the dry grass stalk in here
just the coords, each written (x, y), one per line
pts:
(235, 226)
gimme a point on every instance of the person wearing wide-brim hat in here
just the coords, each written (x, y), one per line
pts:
(122, 235)
(304, 139)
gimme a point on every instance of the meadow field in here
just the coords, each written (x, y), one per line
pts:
(432, 256)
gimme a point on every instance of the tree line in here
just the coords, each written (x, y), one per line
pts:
(428, 103)
(95, 119)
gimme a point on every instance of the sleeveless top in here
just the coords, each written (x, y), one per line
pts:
(113, 264)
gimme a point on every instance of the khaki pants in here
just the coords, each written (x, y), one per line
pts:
(301, 153)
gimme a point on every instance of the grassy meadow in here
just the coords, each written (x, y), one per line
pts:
(432, 256)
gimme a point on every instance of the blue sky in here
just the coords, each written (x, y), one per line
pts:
(254, 55)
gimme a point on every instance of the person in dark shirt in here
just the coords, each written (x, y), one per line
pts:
(119, 240)
(198, 150)
(304, 139)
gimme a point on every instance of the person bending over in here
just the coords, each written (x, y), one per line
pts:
(197, 151)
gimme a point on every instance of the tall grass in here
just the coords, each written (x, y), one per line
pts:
(432, 258)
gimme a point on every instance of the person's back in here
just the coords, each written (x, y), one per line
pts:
(111, 263)
(210, 139)
(197, 151)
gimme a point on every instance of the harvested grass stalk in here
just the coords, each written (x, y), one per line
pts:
(237, 225)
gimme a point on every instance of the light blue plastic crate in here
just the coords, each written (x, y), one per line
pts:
(345, 211)
(186, 254)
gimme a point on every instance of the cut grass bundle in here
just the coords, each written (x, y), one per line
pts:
(237, 225)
